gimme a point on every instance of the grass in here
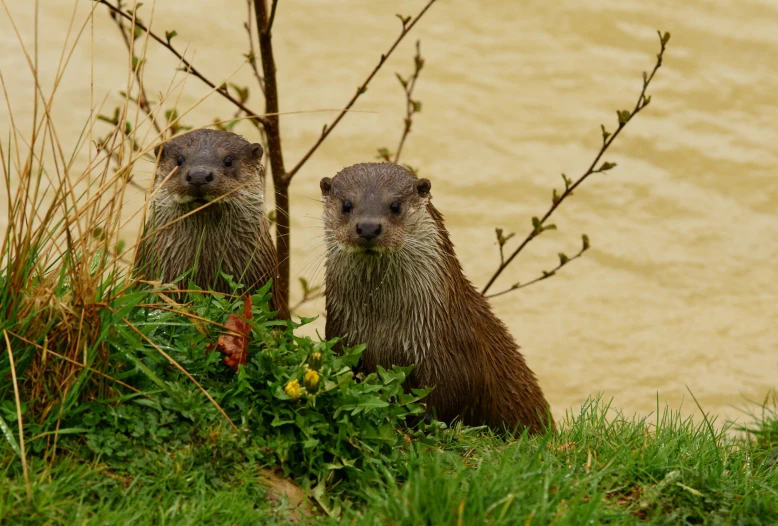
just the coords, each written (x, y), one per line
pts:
(596, 469)
(113, 410)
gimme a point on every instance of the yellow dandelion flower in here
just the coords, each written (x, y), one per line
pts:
(314, 361)
(293, 389)
(311, 380)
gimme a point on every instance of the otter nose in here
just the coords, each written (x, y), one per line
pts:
(368, 231)
(199, 177)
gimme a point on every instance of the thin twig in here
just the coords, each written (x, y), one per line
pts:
(143, 100)
(407, 26)
(545, 275)
(297, 305)
(607, 139)
(189, 67)
(309, 294)
(252, 56)
(411, 106)
(272, 15)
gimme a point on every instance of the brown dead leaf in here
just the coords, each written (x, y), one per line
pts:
(235, 343)
(281, 489)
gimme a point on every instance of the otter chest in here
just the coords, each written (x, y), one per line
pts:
(207, 243)
(387, 303)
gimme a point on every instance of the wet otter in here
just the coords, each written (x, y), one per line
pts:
(393, 282)
(217, 181)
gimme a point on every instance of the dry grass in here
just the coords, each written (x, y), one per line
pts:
(63, 271)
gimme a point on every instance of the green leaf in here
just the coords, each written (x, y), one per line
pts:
(585, 240)
(9, 436)
(367, 402)
(403, 19)
(695, 492)
(563, 259)
(129, 354)
(385, 154)
(604, 167)
(243, 93)
(169, 35)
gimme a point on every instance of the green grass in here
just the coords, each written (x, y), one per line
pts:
(132, 439)
(611, 471)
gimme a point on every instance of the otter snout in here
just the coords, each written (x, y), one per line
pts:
(368, 231)
(199, 178)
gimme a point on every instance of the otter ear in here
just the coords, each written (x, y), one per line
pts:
(256, 150)
(423, 187)
(325, 185)
(159, 150)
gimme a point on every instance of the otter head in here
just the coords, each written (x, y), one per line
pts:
(208, 164)
(375, 207)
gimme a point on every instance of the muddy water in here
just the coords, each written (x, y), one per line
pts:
(679, 288)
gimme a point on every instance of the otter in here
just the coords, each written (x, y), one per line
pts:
(208, 215)
(393, 282)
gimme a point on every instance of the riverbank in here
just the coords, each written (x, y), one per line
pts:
(135, 440)
(605, 470)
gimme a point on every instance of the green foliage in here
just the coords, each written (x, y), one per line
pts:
(185, 486)
(599, 468)
(335, 428)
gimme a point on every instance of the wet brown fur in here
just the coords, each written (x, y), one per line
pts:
(231, 235)
(411, 303)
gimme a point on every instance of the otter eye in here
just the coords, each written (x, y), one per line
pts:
(180, 160)
(347, 207)
(395, 208)
(228, 161)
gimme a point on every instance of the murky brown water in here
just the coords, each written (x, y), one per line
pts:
(680, 287)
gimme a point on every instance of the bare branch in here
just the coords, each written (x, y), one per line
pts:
(411, 106)
(309, 294)
(252, 56)
(274, 151)
(408, 24)
(143, 100)
(221, 90)
(272, 15)
(563, 260)
(624, 116)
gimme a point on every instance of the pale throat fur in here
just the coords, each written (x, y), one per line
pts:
(391, 297)
(217, 224)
